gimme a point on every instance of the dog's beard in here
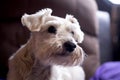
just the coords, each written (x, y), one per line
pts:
(55, 54)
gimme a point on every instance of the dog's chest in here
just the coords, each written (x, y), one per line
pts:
(67, 73)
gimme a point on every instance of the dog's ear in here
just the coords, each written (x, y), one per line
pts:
(34, 21)
(80, 35)
(71, 18)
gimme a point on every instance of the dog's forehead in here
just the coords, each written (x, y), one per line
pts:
(61, 21)
(55, 18)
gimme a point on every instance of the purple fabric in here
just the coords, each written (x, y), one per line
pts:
(108, 71)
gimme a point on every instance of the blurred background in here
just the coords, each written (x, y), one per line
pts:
(112, 7)
(99, 19)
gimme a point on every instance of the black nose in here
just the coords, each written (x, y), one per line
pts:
(69, 46)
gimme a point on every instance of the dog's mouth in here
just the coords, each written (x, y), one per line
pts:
(64, 53)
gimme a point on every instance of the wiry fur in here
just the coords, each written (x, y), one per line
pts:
(44, 54)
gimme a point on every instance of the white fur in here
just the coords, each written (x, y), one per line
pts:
(67, 73)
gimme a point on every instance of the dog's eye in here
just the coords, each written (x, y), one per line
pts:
(52, 29)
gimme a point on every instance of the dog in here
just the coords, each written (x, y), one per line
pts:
(52, 52)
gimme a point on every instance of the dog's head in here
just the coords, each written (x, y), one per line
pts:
(55, 40)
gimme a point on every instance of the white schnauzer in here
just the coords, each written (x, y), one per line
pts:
(52, 52)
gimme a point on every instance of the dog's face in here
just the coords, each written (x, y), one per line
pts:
(55, 39)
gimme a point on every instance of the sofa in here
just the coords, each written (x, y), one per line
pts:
(13, 34)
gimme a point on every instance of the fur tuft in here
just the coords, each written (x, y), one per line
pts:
(46, 11)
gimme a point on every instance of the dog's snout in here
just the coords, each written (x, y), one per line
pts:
(69, 46)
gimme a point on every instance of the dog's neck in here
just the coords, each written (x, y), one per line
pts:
(55, 72)
(39, 71)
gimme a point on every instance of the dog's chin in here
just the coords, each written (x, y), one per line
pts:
(63, 54)
(65, 59)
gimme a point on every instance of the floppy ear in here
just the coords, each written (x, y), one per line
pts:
(33, 21)
(80, 34)
(71, 18)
